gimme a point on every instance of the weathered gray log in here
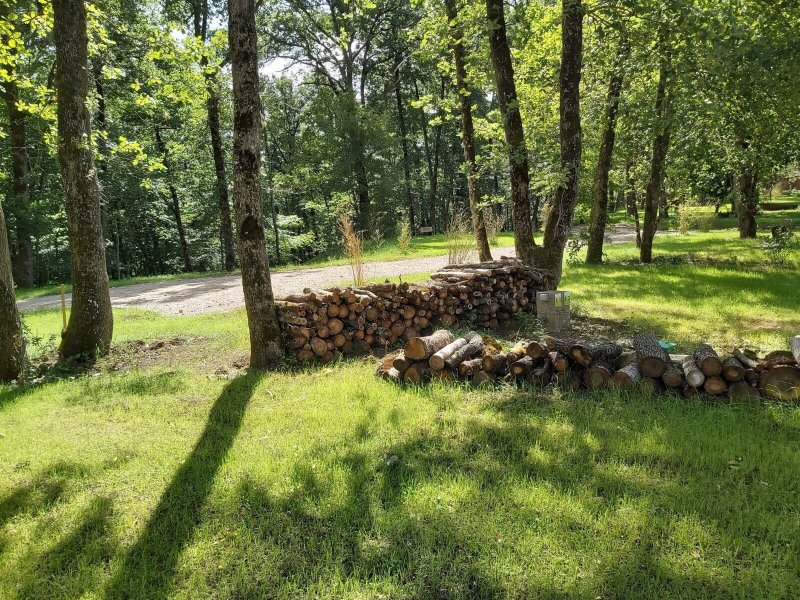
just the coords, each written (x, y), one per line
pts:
(780, 383)
(741, 390)
(694, 376)
(438, 359)
(653, 359)
(715, 385)
(627, 377)
(732, 369)
(472, 348)
(749, 359)
(422, 348)
(672, 376)
(707, 360)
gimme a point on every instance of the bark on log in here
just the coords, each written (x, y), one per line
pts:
(469, 367)
(749, 359)
(437, 361)
(401, 363)
(559, 361)
(694, 376)
(422, 348)
(653, 359)
(778, 358)
(494, 363)
(732, 369)
(600, 371)
(672, 376)
(418, 373)
(707, 360)
(536, 350)
(472, 348)
(521, 367)
(585, 354)
(794, 344)
(627, 377)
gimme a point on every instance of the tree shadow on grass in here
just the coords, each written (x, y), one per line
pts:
(148, 568)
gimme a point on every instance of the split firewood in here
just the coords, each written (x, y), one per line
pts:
(707, 360)
(652, 358)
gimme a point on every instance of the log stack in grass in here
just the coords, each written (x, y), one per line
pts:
(742, 376)
(323, 324)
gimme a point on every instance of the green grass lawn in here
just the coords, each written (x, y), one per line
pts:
(168, 471)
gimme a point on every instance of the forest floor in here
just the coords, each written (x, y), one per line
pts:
(167, 470)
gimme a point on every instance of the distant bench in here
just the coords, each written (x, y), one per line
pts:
(426, 230)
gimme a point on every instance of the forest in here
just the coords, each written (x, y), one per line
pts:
(391, 299)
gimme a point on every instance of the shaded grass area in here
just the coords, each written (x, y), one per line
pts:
(162, 483)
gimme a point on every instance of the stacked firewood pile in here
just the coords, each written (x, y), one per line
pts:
(579, 364)
(322, 324)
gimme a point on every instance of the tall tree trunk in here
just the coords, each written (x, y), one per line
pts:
(225, 224)
(273, 211)
(175, 205)
(559, 218)
(468, 133)
(597, 229)
(91, 322)
(12, 341)
(20, 185)
(747, 200)
(630, 199)
(401, 122)
(657, 162)
(266, 348)
(524, 243)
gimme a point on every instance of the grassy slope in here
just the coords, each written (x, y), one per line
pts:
(172, 473)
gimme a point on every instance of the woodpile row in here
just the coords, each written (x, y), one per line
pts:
(323, 324)
(577, 364)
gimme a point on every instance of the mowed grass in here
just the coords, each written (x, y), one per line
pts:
(169, 471)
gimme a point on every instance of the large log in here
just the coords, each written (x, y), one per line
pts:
(437, 360)
(694, 376)
(472, 348)
(780, 383)
(707, 360)
(741, 390)
(521, 367)
(422, 348)
(653, 359)
(469, 367)
(585, 354)
(715, 385)
(536, 350)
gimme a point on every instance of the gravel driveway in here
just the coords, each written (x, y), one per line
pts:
(223, 293)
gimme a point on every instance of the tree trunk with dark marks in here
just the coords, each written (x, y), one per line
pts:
(559, 219)
(658, 161)
(597, 229)
(401, 122)
(747, 201)
(266, 346)
(12, 341)
(468, 133)
(519, 177)
(91, 321)
(20, 186)
(174, 205)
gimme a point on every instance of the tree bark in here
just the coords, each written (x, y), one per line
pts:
(658, 161)
(597, 229)
(747, 201)
(467, 133)
(175, 205)
(401, 122)
(91, 321)
(200, 17)
(559, 219)
(12, 341)
(519, 176)
(266, 346)
(20, 171)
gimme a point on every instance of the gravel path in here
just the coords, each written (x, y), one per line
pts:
(223, 293)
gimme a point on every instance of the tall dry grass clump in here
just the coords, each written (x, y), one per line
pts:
(459, 241)
(494, 223)
(353, 248)
(404, 237)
